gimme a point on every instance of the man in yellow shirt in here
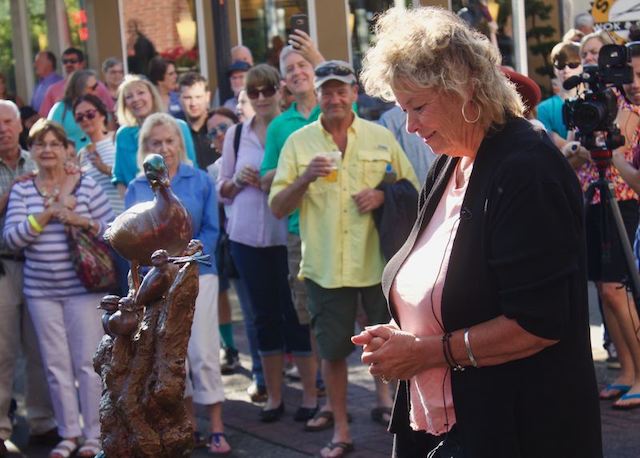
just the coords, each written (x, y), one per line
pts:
(329, 170)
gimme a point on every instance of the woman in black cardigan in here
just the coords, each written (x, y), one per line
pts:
(490, 337)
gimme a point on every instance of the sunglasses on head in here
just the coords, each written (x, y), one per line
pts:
(89, 114)
(571, 65)
(219, 129)
(266, 92)
(70, 61)
(338, 70)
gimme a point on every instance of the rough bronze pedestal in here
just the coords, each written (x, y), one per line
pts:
(142, 364)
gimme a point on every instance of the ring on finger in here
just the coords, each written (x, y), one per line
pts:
(384, 379)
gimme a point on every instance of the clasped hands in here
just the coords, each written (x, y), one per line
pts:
(247, 176)
(391, 353)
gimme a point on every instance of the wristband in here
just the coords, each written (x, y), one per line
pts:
(467, 345)
(33, 222)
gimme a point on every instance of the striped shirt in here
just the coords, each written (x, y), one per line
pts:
(106, 149)
(48, 271)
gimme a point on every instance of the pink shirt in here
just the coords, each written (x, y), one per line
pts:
(56, 91)
(416, 294)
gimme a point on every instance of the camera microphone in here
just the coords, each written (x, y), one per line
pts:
(572, 82)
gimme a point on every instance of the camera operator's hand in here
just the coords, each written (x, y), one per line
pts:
(627, 171)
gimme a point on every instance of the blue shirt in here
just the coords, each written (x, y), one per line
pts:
(175, 107)
(65, 118)
(550, 114)
(418, 152)
(41, 89)
(125, 167)
(196, 191)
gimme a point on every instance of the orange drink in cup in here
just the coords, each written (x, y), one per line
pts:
(336, 158)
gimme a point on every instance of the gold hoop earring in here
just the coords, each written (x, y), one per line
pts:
(467, 120)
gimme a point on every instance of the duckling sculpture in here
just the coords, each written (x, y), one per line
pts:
(163, 223)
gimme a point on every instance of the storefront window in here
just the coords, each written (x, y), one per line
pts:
(7, 64)
(165, 27)
(266, 25)
(362, 14)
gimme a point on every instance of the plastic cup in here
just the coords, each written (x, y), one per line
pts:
(336, 158)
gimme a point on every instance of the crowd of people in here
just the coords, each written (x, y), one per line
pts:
(310, 211)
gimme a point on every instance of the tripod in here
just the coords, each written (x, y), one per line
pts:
(602, 160)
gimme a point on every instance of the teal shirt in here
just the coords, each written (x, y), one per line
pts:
(68, 123)
(277, 134)
(550, 114)
(125, 166)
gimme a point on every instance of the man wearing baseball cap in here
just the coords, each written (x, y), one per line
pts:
(329, 170)
(236, 73)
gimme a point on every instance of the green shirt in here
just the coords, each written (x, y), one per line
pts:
(277, 134)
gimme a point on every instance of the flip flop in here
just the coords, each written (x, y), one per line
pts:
(345, 447)
(627, 397)
(378, 413)
(618, 390)
(327, 424)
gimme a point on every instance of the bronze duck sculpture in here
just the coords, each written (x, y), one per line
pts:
(163, 223)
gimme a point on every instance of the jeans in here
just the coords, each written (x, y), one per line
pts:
(265, 271)
(252, 337)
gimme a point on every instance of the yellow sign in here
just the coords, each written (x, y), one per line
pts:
(616, 16)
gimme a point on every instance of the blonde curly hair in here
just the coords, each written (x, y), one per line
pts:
(432, 48)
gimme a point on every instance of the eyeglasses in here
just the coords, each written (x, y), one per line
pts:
(89, 114)
(219, 129)
(43, 145)
(70, 61)
(338, 70)
(266, 92)
(571, 65)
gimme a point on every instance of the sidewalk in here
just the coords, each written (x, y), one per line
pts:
(286, 438)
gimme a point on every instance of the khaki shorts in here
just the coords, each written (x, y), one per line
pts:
(298, 289)
(333, 315)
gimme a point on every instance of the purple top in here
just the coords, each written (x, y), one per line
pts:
(250, 220)
(41, 89)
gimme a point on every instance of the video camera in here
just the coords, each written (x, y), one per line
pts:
(592, 113)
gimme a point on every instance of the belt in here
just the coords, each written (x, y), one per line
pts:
(12, 257)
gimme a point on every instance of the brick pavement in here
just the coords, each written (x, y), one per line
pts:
(286, 438)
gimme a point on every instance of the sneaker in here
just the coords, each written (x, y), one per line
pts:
(257, 393)
(230, 361)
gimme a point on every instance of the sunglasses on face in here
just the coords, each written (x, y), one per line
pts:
(89, 114)
(70, 61)
(266, 92)
(571, 65)
(338, 70)
(220, 129)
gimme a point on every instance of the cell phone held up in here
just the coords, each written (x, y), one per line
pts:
(300, 22)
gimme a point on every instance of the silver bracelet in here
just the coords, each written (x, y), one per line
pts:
(467, 345)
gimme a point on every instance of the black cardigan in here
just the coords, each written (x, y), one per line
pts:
(519, 251)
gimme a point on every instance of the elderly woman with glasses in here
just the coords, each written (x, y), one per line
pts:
(490, 330)
(258, 246)
(64, 313)
(81, 82)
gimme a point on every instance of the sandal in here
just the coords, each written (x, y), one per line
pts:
(327, 416)
(64, 449)
(218, 444)
(345, 448)
(90, 448)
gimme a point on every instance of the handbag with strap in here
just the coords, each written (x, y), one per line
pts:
(224, 261)
(91, 259)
